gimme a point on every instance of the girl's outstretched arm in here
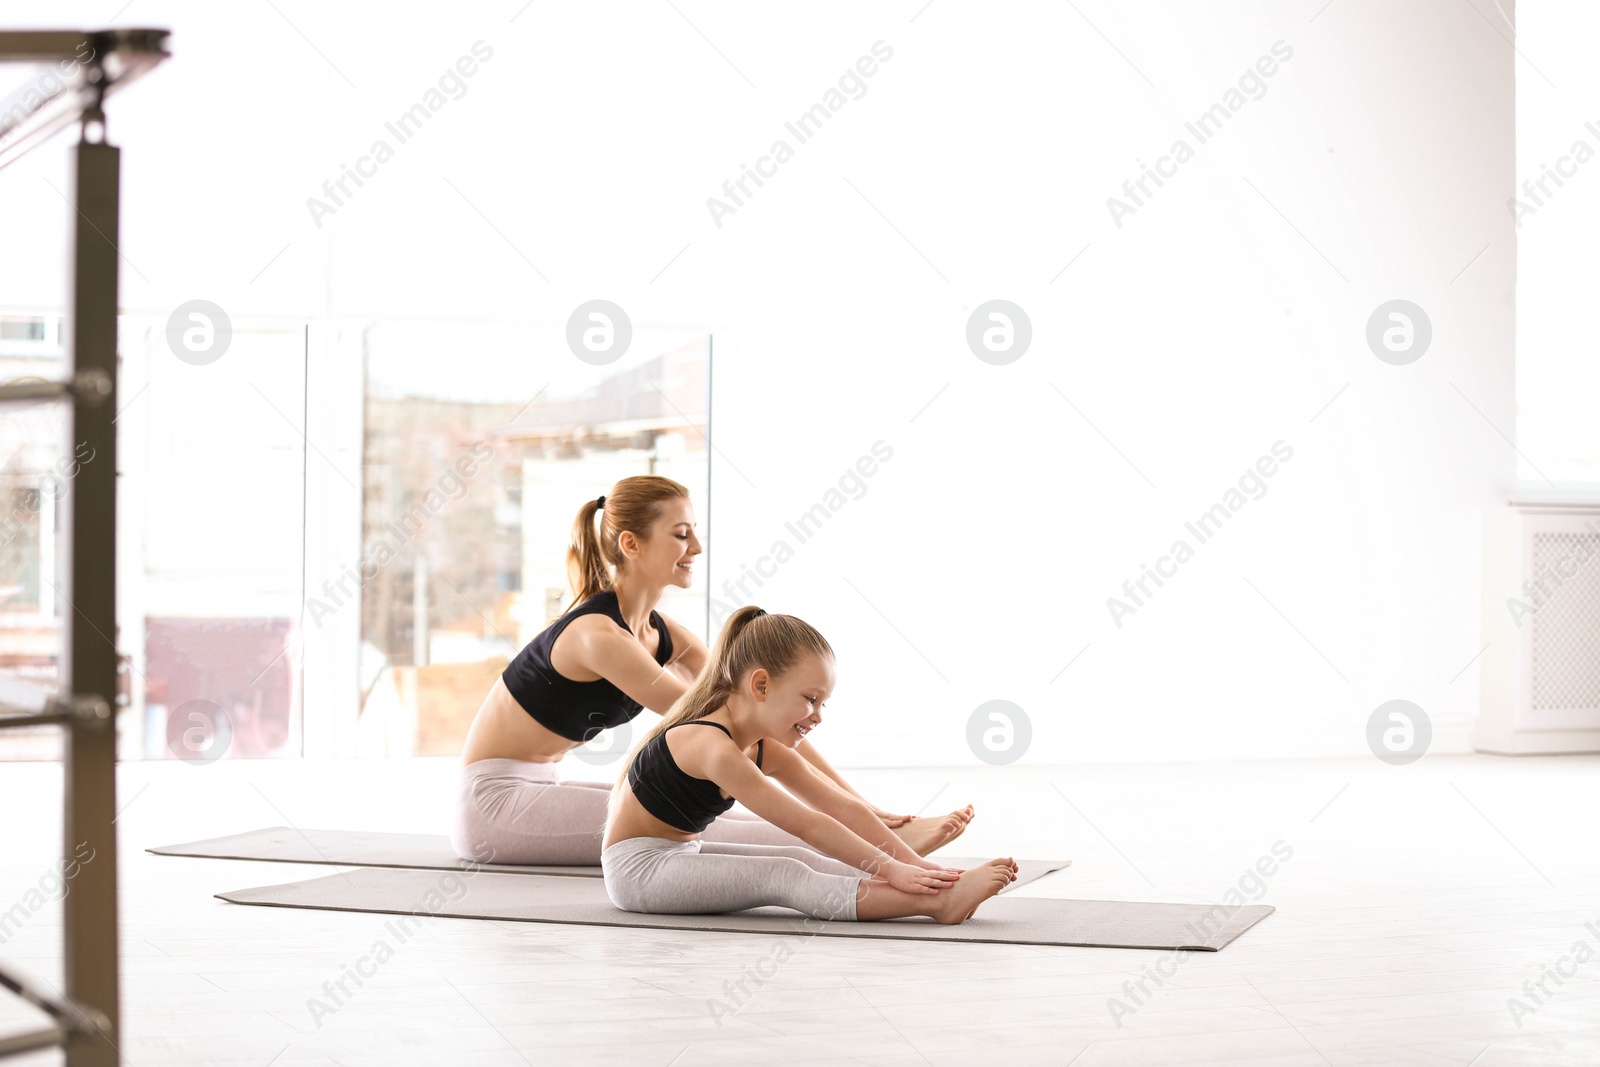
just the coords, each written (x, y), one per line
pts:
(693, 660)
(809, 752)
(720, 760)
(796, 773)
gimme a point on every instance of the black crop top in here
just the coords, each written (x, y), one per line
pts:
(577, 711)
(670, 793)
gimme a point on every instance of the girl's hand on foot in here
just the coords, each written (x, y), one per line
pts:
(929, 865)
(891, 821)
(909, 879)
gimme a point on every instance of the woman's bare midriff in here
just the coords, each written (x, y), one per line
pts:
(503, 730)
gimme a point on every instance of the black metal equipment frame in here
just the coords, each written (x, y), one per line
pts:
(82, 70)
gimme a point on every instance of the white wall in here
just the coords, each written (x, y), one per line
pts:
(1227, 314)
(1558, 209)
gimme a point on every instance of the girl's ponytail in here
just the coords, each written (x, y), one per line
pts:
(750, 638)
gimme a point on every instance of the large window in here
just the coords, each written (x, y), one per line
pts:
(210, 537)
(35, 473)
(238, 572)
(211, 522)
(478, 451)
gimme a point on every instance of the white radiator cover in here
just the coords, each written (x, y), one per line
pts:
(1540, 671)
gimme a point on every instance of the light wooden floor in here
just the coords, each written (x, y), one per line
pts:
(1417, 901)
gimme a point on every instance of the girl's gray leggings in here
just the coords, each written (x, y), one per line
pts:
(664, 877)
(513, 811)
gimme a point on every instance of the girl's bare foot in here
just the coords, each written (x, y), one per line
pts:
(923, 835)
(1007, 862)
(956, 904)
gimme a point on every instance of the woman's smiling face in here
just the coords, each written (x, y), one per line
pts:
(668, 555)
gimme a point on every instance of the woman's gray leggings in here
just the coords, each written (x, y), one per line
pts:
(513, 811)
(664, 877)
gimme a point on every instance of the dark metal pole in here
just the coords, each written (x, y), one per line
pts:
(89, 613)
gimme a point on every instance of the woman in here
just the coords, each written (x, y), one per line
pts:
(769, 678)
(592, 669)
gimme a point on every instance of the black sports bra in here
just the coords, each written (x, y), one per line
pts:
(575, 710)
(670, 793)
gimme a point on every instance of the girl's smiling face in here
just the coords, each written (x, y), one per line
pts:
(791, 706)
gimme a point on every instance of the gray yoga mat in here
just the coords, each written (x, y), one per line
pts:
(487, 894)
(363, 848)
(352, 848)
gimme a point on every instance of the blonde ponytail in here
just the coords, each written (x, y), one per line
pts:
(634, 503)
(750, 638)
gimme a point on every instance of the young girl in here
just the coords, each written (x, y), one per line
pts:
(740, 724)
(611, 655)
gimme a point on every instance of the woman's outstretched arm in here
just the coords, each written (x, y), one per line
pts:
(797, 775)
(808, 751)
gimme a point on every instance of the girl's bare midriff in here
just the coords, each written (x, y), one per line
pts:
(632, 820)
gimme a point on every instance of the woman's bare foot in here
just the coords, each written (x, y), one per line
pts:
(923, 835)
(956, 904)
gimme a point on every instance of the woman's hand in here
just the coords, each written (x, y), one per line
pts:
(909, 879)
(892, 821)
